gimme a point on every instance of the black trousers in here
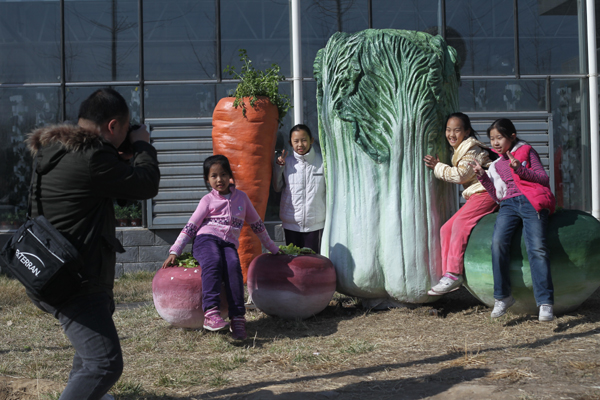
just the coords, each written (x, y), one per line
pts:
(312, 240)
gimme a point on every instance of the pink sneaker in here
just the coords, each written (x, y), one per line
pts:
(238, 327)
(213, 320)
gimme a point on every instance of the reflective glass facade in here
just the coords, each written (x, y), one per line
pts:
(167, 58)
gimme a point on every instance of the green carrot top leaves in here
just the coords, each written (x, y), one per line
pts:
(186, 260)
(294, 250)
(254, 83)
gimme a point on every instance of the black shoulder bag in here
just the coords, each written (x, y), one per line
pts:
(42, 259)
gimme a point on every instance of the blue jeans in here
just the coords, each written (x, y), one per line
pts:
(513, 212)
(98, 362)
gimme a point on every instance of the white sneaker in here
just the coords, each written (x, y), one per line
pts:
(107, 397)
(448, 283)
(500, 306)
(546, 312)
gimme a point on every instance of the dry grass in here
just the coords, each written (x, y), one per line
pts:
(512, 375)
(348, 352)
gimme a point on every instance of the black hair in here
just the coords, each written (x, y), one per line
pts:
(504, 126)
(300, 127)
(216, 159)
(104, 105)
(465, 121)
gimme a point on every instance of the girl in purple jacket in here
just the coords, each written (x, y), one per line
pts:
(518, 181)
(215, 228)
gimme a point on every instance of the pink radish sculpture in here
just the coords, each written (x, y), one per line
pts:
(291, 287)
(177, 294)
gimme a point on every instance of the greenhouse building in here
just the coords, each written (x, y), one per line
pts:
(533, 61)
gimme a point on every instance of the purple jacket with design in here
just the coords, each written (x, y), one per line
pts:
(224, 218)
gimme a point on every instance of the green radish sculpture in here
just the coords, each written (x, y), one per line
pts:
(574, 250)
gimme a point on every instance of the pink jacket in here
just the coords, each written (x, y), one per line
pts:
(224, 218)
(539, 195)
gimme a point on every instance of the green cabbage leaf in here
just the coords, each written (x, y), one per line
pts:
(382, 100)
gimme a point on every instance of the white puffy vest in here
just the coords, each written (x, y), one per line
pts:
(302, 178)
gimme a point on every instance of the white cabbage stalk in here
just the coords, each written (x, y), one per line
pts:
(382, 98)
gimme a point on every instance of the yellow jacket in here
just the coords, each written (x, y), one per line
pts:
(461, 172)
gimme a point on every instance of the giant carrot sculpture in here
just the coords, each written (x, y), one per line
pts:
(249, 144)
(244, 130)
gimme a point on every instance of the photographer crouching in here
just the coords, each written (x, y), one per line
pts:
(78, 174)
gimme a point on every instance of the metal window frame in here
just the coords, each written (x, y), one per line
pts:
(156, 124)
(142, 83)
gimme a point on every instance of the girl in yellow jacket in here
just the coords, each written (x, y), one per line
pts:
(454, 235)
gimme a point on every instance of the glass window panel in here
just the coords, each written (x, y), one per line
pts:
(259, 26)
(417, 16)
(179, 39)
(24, 110)
(486, 30)
(411, 15)
(225, 89)
(571, 145)
(179, 101)
(283, 136)
(322, 18)
(584, 50)
(29, 42)
(503, 95)
(76, 95)
(101, 40)
(549, 38)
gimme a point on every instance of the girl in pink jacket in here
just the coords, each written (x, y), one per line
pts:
(215, 228)
(518, 181)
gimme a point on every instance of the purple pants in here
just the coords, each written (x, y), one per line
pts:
(312, 240)
(220, 262)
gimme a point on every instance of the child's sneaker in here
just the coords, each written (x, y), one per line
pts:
(500, 306)
(238, 327)
(546, 312)
(448, 283)
(213, 320)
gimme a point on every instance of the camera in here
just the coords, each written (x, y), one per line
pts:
(126, 146)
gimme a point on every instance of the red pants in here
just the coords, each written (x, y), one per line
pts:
(454, 235)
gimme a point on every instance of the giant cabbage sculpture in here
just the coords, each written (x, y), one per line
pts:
(382, 99)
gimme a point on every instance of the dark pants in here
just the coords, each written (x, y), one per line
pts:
(513, 212)
(220, 262)
(312, 240)
(98, 362)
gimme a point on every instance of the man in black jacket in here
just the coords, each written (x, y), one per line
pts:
(78, 175)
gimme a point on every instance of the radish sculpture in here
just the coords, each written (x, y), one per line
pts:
(177, 294)
(291, 286)
(573, 243)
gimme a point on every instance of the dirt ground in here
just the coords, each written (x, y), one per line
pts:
(450, 349)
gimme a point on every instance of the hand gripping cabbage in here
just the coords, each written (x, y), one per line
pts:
(382, 100)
